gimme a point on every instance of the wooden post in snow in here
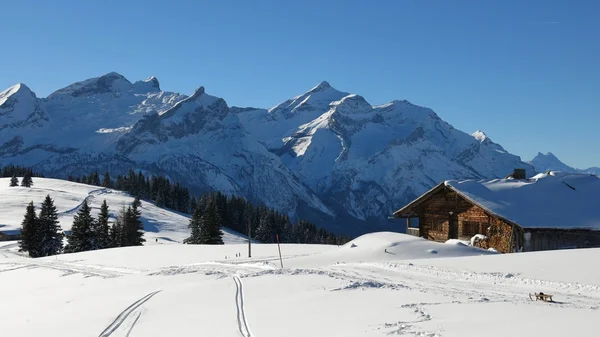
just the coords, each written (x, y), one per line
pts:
(249, 239)
(279, 248)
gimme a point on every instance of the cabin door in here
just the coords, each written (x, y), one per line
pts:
(453, 226)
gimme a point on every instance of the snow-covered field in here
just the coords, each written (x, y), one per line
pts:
(379, 284)
(160, 224)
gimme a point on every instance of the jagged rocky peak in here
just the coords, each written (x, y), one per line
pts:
(20, 107)
(480, 136)
(316, 99)
(322, 86)
(203, 99)
(13, 94)
(150, 84)
(352, 104)
(197, 94)
(109, 83)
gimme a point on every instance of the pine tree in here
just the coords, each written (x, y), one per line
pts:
(265, 231)
(29, 232)
(51, 236)
(94, 179)
(27, 181)
(106, 180)
(195, 226)
(103, 230)
(210, 230)
(193, 205)
(133, 227)
(117, 232)
(82, 237)
(14, 181)
(137, 202)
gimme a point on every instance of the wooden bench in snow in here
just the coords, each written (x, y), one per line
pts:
(541, 297)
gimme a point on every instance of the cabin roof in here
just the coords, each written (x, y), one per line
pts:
(548, 200)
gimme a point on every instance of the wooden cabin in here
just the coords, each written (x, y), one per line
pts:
(9, 235)
(549, 211)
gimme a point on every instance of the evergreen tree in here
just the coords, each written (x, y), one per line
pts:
(51, 236)
(265, 231)
(94, 179)
(137, 202)
(103, 234)
(106, 180)
(133, 228)
(27, 181)
(195, 226)
(14, 181)
(82, 237)
(210, 229)
(193, 205)
(117, 233)
(29, 232)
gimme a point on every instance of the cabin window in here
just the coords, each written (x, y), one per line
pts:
(470, 228)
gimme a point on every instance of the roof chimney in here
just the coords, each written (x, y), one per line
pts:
(519, 173)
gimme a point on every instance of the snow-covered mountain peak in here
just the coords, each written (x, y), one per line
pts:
(315, 100)
(17, 91)
(19, 107)
(197, 93)
(352, 104)
(323, 85)
(150, 84)
(480, 136)
(110, 83)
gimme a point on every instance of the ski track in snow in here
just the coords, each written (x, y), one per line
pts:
(115, 326)
(239, 303)
(90, 195)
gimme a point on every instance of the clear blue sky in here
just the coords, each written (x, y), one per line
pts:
(525, 72)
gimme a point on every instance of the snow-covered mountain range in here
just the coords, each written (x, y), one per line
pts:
(326, 155)
(545, 162)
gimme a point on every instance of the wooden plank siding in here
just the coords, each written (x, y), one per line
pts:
(446, 215)
(9, 237)
(551, 239)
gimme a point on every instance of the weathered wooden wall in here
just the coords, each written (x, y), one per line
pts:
(550, 239)
(466, 220)
(446, 215)
(8, 237)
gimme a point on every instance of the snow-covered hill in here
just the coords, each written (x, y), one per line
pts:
(326, 156)
(549, 162)
(159, 223)
(380, 284)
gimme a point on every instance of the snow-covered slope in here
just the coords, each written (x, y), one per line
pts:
(549, 162)
(354, 290)
(159, 223)
(326, 155)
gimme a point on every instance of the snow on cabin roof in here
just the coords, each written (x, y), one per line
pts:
(547, 200)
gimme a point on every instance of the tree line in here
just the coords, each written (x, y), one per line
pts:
(264, 224)
(19, 171)
(42, 235)
(232, 212)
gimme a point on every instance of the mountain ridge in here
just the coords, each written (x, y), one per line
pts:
(325, 155)
(548, 161)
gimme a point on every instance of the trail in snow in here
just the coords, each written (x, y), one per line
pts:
(124, 315)
(239, 303)
(91, 194)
